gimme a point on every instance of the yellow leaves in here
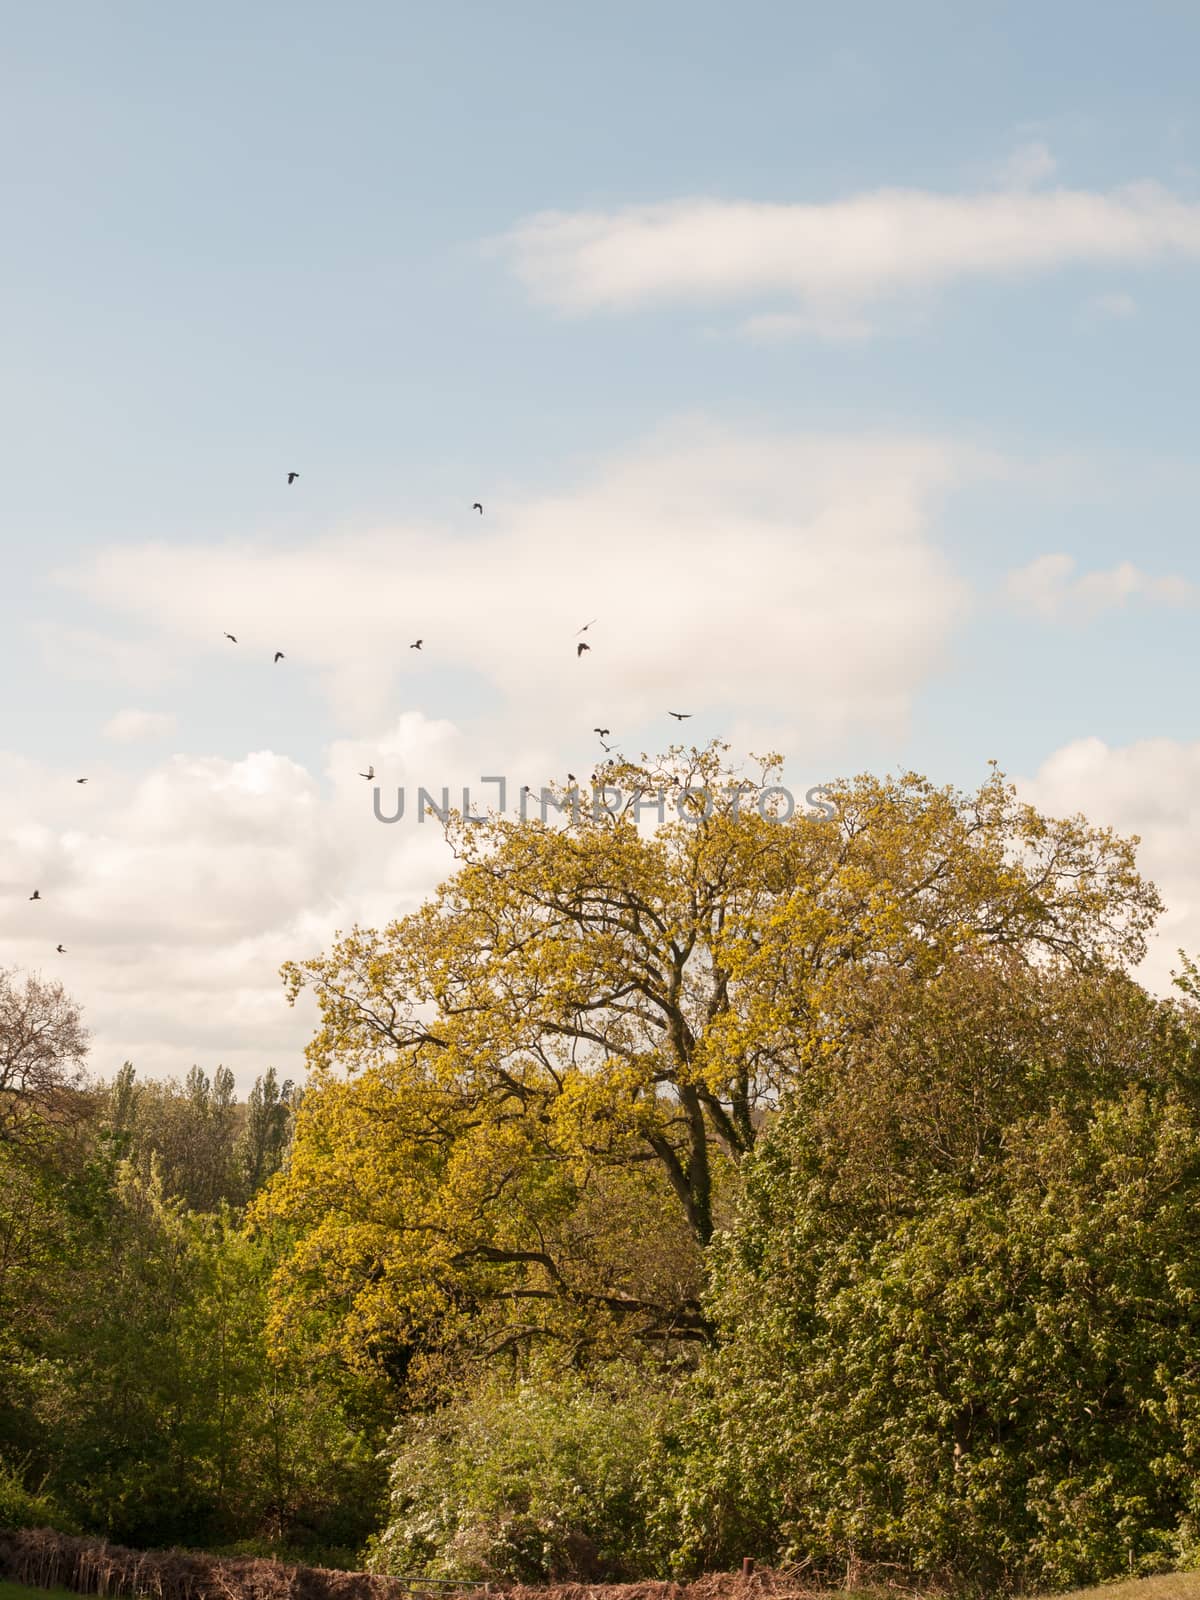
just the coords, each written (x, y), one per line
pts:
(591, 1004)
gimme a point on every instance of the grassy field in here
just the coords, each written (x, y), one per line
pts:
(18, 1591)
(1169, 1586)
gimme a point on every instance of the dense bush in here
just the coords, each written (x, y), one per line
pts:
(978, 1355)
(560, 1477)
(22, 1507)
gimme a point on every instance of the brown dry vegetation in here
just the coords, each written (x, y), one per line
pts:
(44, 1559)
(40, 1558)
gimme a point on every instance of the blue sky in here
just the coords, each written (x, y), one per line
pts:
(240, 241)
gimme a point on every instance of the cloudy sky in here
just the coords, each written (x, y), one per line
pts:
(842, 362)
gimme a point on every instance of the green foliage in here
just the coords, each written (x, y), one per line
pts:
(266, 1131)
(981, 1358)
(208, 1148)
(542, 1229)
(135, 1381)
(173, 1423)
(559, 1476)
(22, 1507)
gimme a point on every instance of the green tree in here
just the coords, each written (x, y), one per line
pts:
(267, 1129)
(959, 1311)
(593, 1010)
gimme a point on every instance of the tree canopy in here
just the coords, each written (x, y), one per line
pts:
(591, 1013)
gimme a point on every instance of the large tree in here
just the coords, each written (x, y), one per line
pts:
(591, 1006)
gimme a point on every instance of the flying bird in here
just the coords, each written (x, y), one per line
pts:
(36, 895)
(418, 645)
(279, 655)
(80, 780)
(477, 507)
(230, 636)
(679, 716)
(580, 648)
(368, 774)
(603, 732)
(61, 948)
(292, 476)
(586, 626)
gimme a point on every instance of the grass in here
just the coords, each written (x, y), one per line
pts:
(18, 1591)
(1167, 1586)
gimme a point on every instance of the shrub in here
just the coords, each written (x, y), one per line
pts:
(1002, 1384)
(27, 1508)
(557, 1477)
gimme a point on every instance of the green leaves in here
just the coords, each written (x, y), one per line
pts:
(555, 1477)
(959, 1303)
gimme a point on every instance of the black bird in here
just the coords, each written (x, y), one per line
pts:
(586, 626)
(477, 507)
(679, 715)
(418, 645)
(603, 732)
(570, 777)
(580, 648)
(230, 636)
(292, 476)
(279, 655)
(80, 780)
(368, 774)
(36, 895)
(62, 949)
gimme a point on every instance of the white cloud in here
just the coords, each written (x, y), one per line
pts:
(797, 577)
(1151, 788)
(1027, 166)
(90, 654)
(179, 893)
(1115, 306)
(131, 725)
(1048, 588)
(778, 587)
(835, 259)
(845, 327)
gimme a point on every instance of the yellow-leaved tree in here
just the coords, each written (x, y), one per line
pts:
(528, 1100)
